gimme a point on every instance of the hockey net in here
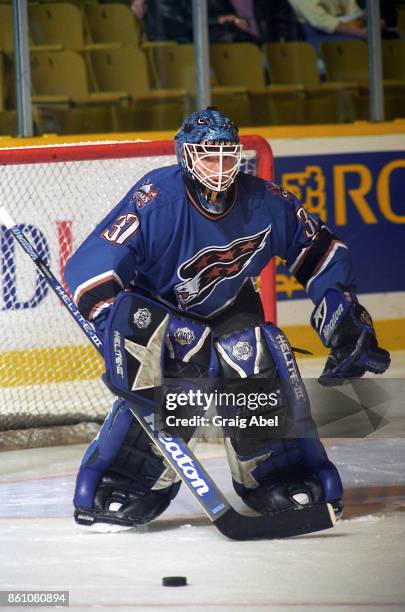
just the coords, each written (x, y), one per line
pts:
(50, 387)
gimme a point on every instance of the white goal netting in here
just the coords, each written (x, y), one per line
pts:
(49, 373)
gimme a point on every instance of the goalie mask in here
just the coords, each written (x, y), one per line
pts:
(209, 153)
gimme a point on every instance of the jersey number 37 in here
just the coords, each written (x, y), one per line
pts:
(123, 228)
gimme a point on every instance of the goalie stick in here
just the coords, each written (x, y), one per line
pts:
(177, 453)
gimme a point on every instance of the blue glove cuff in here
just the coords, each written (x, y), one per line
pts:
(330, 312)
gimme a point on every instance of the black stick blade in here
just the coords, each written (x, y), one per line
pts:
(282, 525)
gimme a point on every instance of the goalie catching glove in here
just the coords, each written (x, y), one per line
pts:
(346, 328)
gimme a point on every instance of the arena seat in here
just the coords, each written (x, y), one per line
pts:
(2, 84)
(174, 68)
(6, 34)
(295, 63)
(347, 60)
(91, 120)
(7, 87)
(115, 23)
(240, 64)
(63, 75)
(60, 84)
(152, 52)
(125, 69)
(8, 123)
(292, 63)
(394, 59)
(6, 28)
(61, 23)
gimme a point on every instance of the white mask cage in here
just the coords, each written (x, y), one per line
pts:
(215, 165)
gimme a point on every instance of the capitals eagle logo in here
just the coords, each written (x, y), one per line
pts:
(210, 266)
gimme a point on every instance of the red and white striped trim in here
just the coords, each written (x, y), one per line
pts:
(94, 282)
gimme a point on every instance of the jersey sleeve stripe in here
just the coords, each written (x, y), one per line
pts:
(336, 244)
(98, 308)
(312, 256)
(297, 262)
(98, 293)
(94, 281)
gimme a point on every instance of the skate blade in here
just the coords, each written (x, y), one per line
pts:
(103, 528)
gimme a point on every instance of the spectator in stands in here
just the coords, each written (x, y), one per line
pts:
(165, 19)
(139, 8)
(173, 20)
(276, 21)
(232, 21)
(246, 9)
(324, 19)
(389, 16)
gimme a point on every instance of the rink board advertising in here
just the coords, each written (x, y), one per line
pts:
(360, 196)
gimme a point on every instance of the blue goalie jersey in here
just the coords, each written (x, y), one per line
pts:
(161, 241)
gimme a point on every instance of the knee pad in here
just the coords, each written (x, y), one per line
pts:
(186, 367)
(247, 369)
(264, 351)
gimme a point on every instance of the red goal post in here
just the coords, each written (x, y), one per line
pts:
(49, 376)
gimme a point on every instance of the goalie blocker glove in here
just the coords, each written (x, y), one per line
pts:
(345, 327)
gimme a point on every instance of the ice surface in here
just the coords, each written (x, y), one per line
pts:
(359, 565)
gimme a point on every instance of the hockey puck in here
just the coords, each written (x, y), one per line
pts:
(175, 581)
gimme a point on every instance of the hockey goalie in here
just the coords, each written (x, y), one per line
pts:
(169, 269)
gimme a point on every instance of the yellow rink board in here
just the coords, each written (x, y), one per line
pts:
(56, 364)
(358, 128)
